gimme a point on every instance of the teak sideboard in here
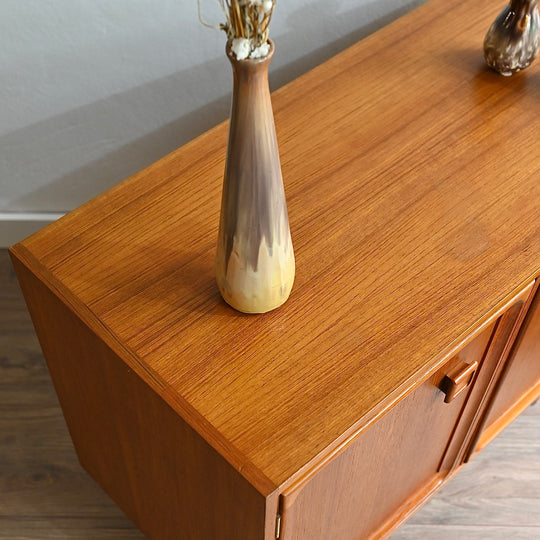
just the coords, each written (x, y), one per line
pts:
(412, 335)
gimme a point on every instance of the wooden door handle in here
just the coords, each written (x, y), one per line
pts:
(457, 379)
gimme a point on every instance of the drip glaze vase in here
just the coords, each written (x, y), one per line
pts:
(255, 261)
(513, 40)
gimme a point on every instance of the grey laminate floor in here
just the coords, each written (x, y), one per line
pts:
(45, 494)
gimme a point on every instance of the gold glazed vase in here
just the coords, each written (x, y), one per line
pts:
(255, 260)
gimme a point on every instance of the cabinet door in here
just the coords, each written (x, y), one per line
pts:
(474, 413)
(519, 384)
(388, 469)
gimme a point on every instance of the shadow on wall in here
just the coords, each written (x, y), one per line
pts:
(76, 155)
(105, 137)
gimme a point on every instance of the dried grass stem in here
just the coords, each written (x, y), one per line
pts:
(247, 19)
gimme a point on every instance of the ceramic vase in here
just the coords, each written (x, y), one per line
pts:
(255, 261)
(513, 40)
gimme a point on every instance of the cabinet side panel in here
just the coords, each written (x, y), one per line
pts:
(162, 474)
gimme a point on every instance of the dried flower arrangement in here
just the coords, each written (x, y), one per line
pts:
(246, 26)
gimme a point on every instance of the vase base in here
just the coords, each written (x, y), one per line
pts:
(256, 287)
(253, 308)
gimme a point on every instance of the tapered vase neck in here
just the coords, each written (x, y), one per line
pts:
(523, 6)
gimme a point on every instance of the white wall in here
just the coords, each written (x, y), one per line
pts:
(93, 90)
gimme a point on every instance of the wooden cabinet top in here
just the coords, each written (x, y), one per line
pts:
(413, 186)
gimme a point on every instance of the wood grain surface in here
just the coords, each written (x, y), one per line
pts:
(411, 173)
(45, 494)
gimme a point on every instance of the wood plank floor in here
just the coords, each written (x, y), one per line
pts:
(45, 494)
